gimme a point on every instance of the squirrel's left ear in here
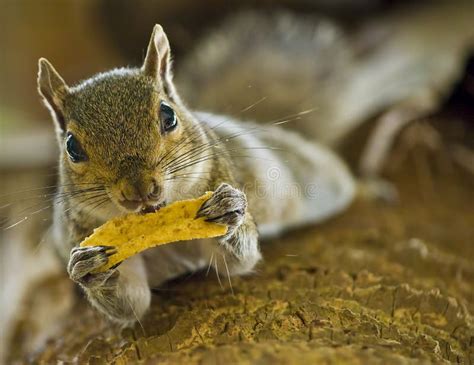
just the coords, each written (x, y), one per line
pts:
(54, 90)
(157, 62)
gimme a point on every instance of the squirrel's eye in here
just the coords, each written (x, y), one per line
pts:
(167, 117)
(74, 149)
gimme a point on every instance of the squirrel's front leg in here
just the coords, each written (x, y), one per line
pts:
(122, 294)
(240, 245)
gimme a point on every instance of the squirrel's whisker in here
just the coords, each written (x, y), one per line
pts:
(210, 264)
(291, 117)
(91, 200)
(216, 268)
(253, 105)
(200, 159)
(41, 209)
(97, 204)
(207, 158)
(228, 274)
(43, 188)
(199, 146)
(16, 224)
(206, 146)
(47, 197)
(218, 141)
(86, 195)
(190, 141)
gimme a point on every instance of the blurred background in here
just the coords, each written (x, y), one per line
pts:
(356, 42)
(85, 37)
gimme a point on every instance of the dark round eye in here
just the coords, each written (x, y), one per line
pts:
(74, 149)
(167, 117)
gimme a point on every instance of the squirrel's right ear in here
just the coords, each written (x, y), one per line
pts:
(54, 90)
(157, 64)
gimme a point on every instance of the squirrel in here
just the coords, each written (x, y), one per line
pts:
(129, 144)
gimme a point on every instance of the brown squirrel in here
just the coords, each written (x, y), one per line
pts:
(129, 144)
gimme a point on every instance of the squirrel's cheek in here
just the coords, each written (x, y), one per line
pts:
(76, 168)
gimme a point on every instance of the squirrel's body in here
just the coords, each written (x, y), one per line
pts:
(129, 144)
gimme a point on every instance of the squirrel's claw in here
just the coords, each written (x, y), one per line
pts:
(84, 260)
(226, 206)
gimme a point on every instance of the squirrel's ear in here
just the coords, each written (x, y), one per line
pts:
(158, 59)
(157, 62)
(53, 89)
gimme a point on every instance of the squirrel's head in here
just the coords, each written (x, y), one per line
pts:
(116, 129)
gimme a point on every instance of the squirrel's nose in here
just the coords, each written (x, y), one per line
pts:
(139, 193)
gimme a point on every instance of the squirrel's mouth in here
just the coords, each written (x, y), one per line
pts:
(152, 208)
(140, 206)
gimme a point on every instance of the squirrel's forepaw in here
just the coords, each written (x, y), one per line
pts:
(84, 260)
(226, 206)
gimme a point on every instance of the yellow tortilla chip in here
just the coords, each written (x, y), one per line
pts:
(135, 233)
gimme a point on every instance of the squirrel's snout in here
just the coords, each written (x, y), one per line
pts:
(134, 196)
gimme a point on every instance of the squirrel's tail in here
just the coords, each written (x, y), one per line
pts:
(321, 77)
(267, 68)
